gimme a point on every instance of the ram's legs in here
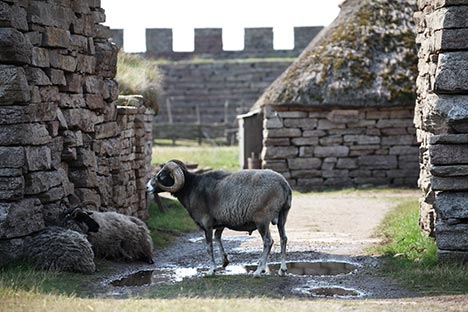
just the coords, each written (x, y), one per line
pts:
(218, 233)
(209, 249)
(283, 238)
(267, 243)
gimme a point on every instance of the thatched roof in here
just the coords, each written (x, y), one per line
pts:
(366, 57)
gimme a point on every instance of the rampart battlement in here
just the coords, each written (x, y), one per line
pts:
(208, 43)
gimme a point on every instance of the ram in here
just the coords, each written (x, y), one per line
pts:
(247, 200)
(119, 237)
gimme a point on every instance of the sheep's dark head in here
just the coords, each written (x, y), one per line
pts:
(170, 178)
(83, 219)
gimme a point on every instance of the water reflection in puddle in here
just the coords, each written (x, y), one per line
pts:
(330, 291)
(169, 275)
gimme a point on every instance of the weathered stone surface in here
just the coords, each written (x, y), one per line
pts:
(449, 138)
(305, 141)
(34, 134)
(73, 83)
(38, 158)
(37, 77)
(451, 205)
(362, 139)
(40, 57)
(278, 152)
(60, 61)
(14, 86)
(331, 151)
(85, 158)
(303, 123)
(452, 256)
(13, 16)
(83, 119)
(11, 187)
(292, 114)
(11, 157)
(20, 218)
(83, 178)
(72, 100)
(14, 47)
(449, 183)
(42, 181)
(106, 59)
(343, 116)
(378, 162)
(94, 102)
(86, 64)
(451, 73)
(447, 154)
(273, 122)
(449, 171)
(283, 132)
(304, 163)
(452, 237)
(347, 163)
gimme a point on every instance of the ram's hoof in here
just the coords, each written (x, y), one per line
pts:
(225, 262)
(282, 272)
(210, 272)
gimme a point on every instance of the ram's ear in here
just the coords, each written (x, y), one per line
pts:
(85, 218)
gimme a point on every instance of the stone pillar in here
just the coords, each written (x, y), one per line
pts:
(303, 36)
(118, 37)
(441, 120)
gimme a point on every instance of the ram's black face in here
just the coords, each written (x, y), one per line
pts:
(164, 177)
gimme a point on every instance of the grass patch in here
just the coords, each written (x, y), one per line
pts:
(411, 257)
(221, 157)
(166, 226)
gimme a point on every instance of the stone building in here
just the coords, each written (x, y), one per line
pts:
(62, 132)
(441, 119)
(342, 114)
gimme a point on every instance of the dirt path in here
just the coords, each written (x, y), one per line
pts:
(321, 228)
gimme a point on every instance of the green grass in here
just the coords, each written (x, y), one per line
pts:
(411, 257)
(221, 157)
(165, 226)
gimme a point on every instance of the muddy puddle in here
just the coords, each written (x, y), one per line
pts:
(330, 292)
(172, 275)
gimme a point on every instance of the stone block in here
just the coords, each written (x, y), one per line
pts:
(378, 161)
(56, 38)
(331, 140)
(93, 84)
(451, 75)
(56, 76)
(404, 150)
(449, 183)
(448, 154)
(86, 64)
(282, 132)
(343, 115)
(324, 124)
(12, 157)
(292, 114)
(399, 140)
(38, 158)
(42, 181)
(306, 173)
(18, 134)
(21, 217)
(279, 152)
(81, 119)
(331, 151)
(305, 141)
(94, 102)
(83, 178)
(37, 77)
(277, 142)
(11, 187)
(72, 100)
(85, 158)
(449, 171)
(451, 237)
(13, 16)
(106, 59)
(347, 163)
(451, 205)
(303, 123)
(361, 139)
(40, 57)
(60, 61)
(452, 256)
(14, 47)
(304, 163)
(273, 122)
(73, 83)
(107, 130)
(14, 86)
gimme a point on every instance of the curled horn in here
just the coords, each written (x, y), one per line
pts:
(178, 175)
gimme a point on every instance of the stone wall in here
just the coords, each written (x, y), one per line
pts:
(329, 147)
(442, 124)
(61, 132)
(209, 85)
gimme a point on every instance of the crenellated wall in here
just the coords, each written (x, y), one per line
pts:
(62, 132)
(441, 119)
(208, 43)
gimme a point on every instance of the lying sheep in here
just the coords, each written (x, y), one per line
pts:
(52, 248)
(244, 201)
(119, 236)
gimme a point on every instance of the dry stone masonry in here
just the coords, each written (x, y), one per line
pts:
(61, 129)
(325, 148)
(441, 121)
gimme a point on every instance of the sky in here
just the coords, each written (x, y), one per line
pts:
(233, 16)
